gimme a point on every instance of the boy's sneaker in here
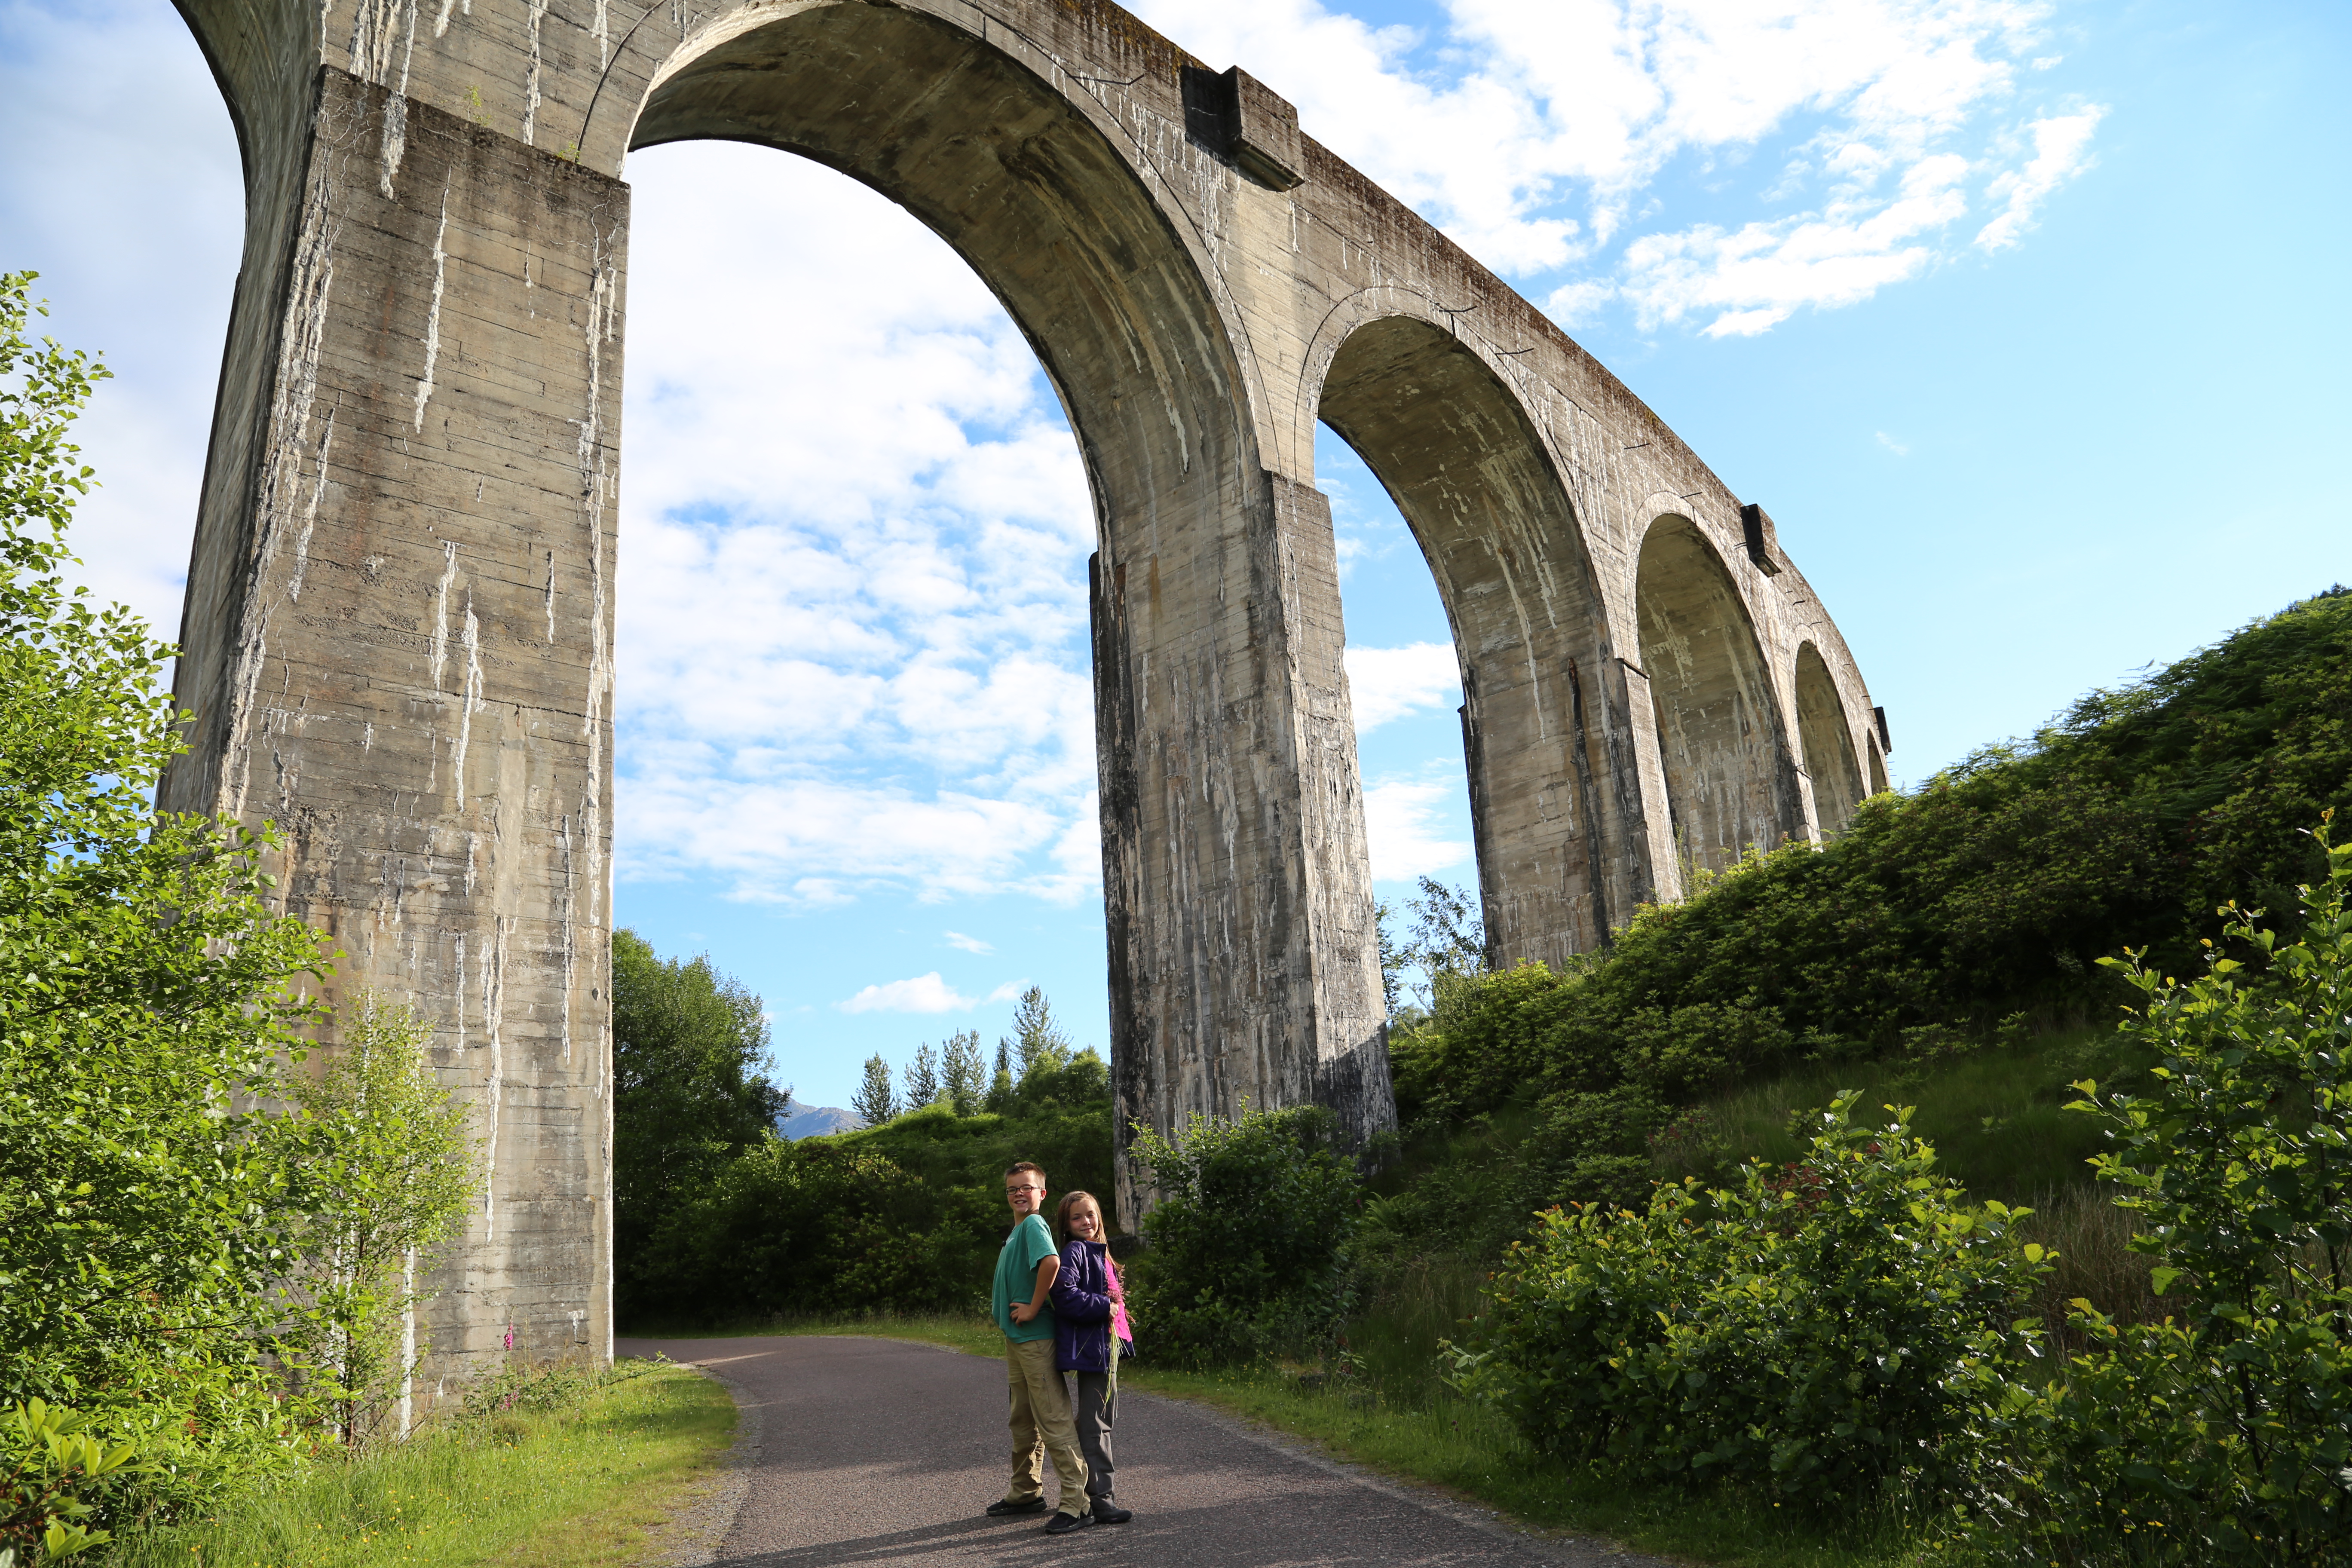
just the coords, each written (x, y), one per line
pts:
(1108, 1513)
(1006, 1506)
(1063, 1523)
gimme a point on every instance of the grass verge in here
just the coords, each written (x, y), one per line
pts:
(529, 1487)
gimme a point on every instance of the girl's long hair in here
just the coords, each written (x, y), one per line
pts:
(1062, 1216)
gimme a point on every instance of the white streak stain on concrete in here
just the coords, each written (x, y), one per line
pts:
(603, 36)
(472, 699)
(311, 281)
(473, 842)
(433, 313)
(311, 511)
(530, 98)
(550, 595)
(441, 610)
(571, 909)
(459, 969)
(494, 965)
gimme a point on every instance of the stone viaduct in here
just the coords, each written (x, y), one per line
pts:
(399, 622)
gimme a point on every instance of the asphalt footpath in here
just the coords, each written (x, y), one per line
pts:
(885, 1452)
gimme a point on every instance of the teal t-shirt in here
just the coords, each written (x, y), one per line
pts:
(1030, 1244)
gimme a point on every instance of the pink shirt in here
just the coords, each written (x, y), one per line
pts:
(1117, 1302)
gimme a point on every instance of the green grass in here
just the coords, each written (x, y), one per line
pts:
(545, 1489)
(1996, 1117)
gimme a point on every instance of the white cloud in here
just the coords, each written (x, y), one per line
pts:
(1900, 448)
(2061, 150)
(923, 994)
(1543, 136)
(968, 943)
(1753, 279)
(852, 618)
(1385, 683)
(126, 194)
(1010, 991)
(1405, 821)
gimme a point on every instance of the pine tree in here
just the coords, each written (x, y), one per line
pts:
(874, 1101)
(962, 1076)
(1043, 1047)
(922, 1078)
(999, 1093)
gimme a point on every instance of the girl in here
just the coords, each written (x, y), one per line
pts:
(1090, 1332)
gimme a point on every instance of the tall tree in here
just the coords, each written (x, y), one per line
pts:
(874, 1101)
(691, 1087)
(961, 1075)
(922, 1078)
(1042, 1046)
(1000, 1088)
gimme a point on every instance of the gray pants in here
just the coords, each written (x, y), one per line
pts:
(1096, 1409)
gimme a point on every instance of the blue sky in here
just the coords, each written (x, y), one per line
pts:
(2025, 320)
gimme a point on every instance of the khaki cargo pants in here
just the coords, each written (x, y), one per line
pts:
(1041, 1424)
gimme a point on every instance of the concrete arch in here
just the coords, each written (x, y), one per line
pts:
(1878, 784)
(1729, 782)
(1038, 194)
(1542, 732)
(1827, 735)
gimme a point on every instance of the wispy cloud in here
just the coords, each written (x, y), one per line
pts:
(968, 943)
(1900, 448)
(923, 994)
(2061, 150)
(1405, 822)
(1551, 138)
(1386, 683)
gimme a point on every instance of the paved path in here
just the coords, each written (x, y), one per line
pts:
(884, 1452)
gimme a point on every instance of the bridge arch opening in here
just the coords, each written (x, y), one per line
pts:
(1827, 738)
(1878, 784)
(1028, 191)
(1719, 731)
(1467, 470)
(1217, 704)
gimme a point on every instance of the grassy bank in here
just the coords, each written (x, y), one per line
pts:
(560, 1476)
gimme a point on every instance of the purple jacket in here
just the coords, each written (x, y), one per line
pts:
(1082, 1309)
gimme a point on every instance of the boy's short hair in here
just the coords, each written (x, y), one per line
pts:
(1017, 1167)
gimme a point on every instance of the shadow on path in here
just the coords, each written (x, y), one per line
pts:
(885, 1452)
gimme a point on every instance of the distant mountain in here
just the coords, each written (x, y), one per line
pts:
(814, 1121)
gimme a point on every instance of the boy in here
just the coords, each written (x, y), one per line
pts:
(1041, 1403)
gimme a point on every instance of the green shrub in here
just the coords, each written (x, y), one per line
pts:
(1814, 1333)
(53, 1473)
(146, 1214)
(818, 1225)
(2222, 1435)
(1250, 1238)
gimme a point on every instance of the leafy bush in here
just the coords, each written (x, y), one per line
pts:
(822, 1225)
(1819, 1330)
(385, 1167)
(145, 1215)
(2223, 1435)
(53, 1470)
(1249, 1253)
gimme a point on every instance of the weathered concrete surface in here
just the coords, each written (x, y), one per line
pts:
(400, 610)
